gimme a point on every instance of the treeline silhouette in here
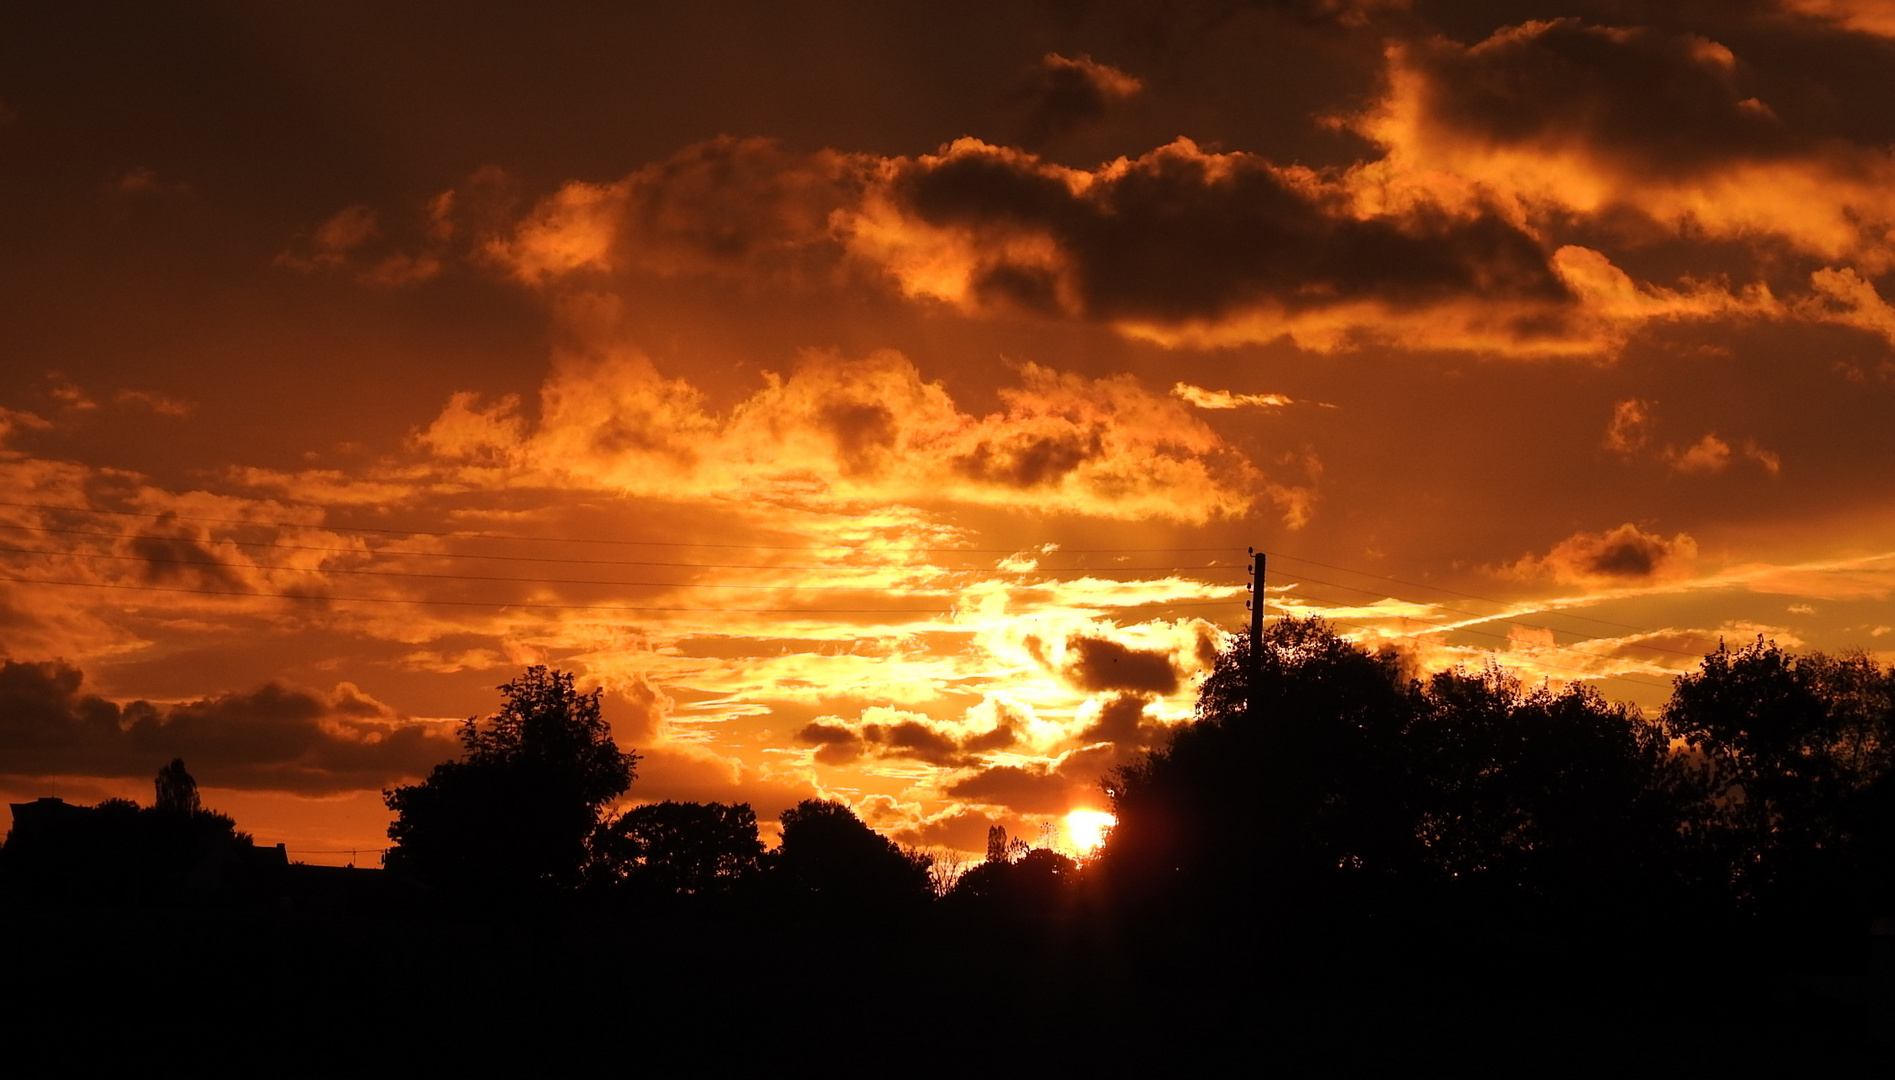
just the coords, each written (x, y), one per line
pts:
(174, 850)
(1451, 863)
(1320, 778)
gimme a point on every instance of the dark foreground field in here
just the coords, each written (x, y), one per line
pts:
(556, 989)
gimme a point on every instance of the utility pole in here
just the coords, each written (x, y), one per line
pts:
(1256, 605)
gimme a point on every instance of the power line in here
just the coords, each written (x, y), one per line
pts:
(534, 605)
(1583, 675)
(1439, 588)
(1505, 618)
(1438, 628)
(168, 516)
(159, 560)
(383, 552)
(1467, 628)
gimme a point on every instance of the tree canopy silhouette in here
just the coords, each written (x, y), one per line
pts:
(1322, 776)
(673, 848)
(176, 790)
(516, 811)
(1017, 879)
(828, 853)
(1292, 769)
(1798, 802)
(1531, 797)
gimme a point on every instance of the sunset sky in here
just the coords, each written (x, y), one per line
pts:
(878, 400)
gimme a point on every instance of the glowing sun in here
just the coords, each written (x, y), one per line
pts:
(1087, 828)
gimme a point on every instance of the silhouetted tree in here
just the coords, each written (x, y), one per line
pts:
(177, 791)
(828, 852)
(516, 811)
(677, 848)
(1319, 776)
(1038, 882)
(945, 867)
(1800, 786)
(1541, 796)
(1292, 774)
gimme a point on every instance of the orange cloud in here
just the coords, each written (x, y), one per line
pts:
(161, 404)
(12, 420)
(1843, 296)
(837, 430)
(1630, 428)
(1709, 454)
(1626, 555)
(1185, 246)
(1562, 117)
(1448, 240)
(1180, 246)
(1613, 305)
(346, 242)
(1224, 399)
(741, 206)
(1445, 242)
(1630, 435)
(1865, 16)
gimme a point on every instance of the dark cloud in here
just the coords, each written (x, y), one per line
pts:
(1035, 648)
(180, 561)
(1028, 789)
(838, 743)
(1041, 788)
(1099, 664)
(1629, 557)
(1031, 459)
(1178, 238)
(1659, 103)
(739, 201)
(865, 432)
(273, 738)
(835, 744)
(1209, 645)
(1122, 722)
(1060, 95)
(999, 737)
(727, 206)
(962, 828)
(1181, 235)
(915, 740)
(1625, 555)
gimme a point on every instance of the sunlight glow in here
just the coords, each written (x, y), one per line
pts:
(1087, 828)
